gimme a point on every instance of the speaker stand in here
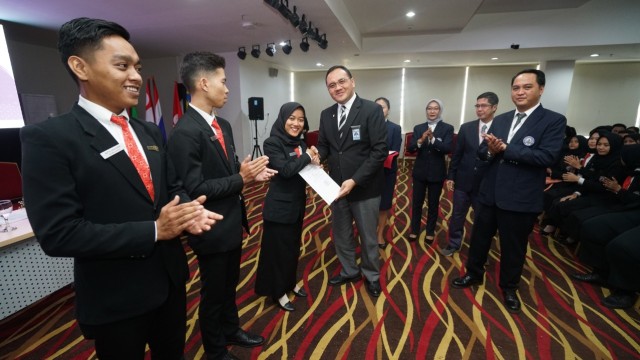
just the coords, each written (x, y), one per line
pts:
(256, 148)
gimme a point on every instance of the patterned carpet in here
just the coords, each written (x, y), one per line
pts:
(418, 316)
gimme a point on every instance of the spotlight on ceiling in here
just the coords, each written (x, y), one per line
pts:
(323, 41)
(304, 45)
(286, 48)
(303, 24)
(242, 53)
(316, 36)
(271, 49)
(294, 19)
(273, 3)
(284, 9)
(255, 51)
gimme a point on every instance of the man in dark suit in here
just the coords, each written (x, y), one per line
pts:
(353, 138)
(519, 147)
(99, 187)
(461, 178)
(203, 151)
(432, 140)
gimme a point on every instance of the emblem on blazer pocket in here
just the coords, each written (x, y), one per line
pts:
(528, 141)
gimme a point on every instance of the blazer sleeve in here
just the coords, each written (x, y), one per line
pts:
(457, 154)
(279, 159)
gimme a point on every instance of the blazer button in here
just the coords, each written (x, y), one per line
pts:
(501, 161)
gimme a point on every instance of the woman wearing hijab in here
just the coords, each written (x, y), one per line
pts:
(394, 140)
(284, 206)
(591, 189)
(432, 140)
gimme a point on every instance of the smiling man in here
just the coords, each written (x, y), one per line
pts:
(518, 148)
(100, 189)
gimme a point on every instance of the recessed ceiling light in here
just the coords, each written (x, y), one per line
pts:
(283, 43)
(319, 65)
(407, 61)
(411, 14)
(494, 58)
(594, 55)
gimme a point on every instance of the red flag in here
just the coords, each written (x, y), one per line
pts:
(177, 106)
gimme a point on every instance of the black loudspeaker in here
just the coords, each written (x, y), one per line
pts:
(256, 108)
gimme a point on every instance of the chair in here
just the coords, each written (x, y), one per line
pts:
(406, 154)
(10, 182)
(311, 138)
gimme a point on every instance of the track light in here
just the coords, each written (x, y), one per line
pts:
(284, 9)
(273, 3)
(303, 24)
(315, 35)
(294, 19)
(304, 45)
(242, 53)
(271, 49)
(255, 51)
(286, 48)
(323, 41)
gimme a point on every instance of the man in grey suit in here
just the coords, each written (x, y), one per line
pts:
(353, 138)
(518, 149)
(461, 179)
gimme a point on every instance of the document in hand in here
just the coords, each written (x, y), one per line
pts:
(321, 182)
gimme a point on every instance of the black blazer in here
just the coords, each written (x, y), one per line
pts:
(351, 158)
(286, 198)
(97, 210)
(515, 179)
(205, 170)
(394, 142)
(463, 161)
(430, 164)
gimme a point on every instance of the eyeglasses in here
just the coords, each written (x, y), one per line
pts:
(340, 82)
(433, 109)
(482, 106)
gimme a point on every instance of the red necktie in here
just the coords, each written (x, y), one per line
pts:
(134, 154)
(627, 182)
(219, 135)
(297, 150)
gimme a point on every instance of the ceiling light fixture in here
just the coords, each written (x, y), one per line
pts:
(255, 51)
(242, 52)
(303, 24)
(319, 65)
(273, 3)
(594, 55)
(304, 45)
(323, 42)
(286, 48)
(494, 58)
(411, 14)
(294, 19)
(407, 61)
(271, 49)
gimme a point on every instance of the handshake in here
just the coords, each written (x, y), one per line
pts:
(313, 153)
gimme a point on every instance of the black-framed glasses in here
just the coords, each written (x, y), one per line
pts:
(340, 82)
(482, 106)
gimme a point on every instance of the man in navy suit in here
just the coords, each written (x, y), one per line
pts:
(353, 139)
(461, 179)
(520, 146)
(100, 188)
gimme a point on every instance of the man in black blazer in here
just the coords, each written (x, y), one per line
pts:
(353, 139)
(461, 179)
(204, 154)
(515, 154)
(100, 188)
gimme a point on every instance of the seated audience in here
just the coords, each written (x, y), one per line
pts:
(631, 139)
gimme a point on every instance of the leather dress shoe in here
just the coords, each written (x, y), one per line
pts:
(429, 239)
(620, 300)
(244, 339)
(288, 306)
(413, 237)
(340, 279)
(465, 282)
(299, 293)
(373, 288)
(591, 278)
(383, 245)
(511, 301)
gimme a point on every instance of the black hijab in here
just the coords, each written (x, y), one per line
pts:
(601, 162)
(582, 148)
(631, 158)
(278, 127)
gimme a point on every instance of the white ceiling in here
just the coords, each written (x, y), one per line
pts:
(361, 33)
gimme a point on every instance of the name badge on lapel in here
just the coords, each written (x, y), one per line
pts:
(355, 132)
(153, 148)
(112, 151)
(293, 154)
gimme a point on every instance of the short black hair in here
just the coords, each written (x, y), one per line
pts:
(540, 77)
(197, 62)
(82, 36)
(491, 97)
(386, 101)
(334, 67)
(619, 125)
(633, 129)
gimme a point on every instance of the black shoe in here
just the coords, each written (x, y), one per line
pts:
(373, 288)
(465, 282)
(383, 245)
(620, 300)
(412, 237)
(511, 301)
(429, 239)
(299, 293)
(288, 306)
(244, 339)
(591, 278)
(339, 280)
(449, 250)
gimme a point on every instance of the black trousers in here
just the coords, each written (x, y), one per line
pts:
(420, 189)
(623, 254)
(514, 228)
(218, 312)
(164, 329)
